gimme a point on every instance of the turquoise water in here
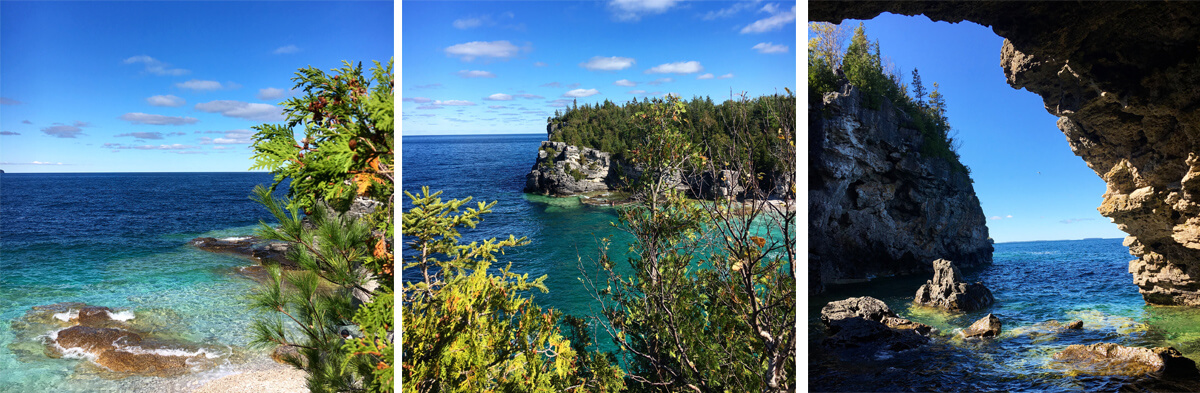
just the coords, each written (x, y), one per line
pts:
(1033, 282)
(119, 241)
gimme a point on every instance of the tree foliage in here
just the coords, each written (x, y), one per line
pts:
(469, 330)
(342, 300)
(863, 67)
(614, 128)
(707, 303)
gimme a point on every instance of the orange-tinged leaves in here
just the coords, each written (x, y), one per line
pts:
(758, 240)
(363, 181)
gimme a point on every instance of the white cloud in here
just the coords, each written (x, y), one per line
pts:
(167, 100)
(1008, 216)
(283, 50)
(9, 133)
(497, 107)
(243, 110)
(230, 137)
(32, 163)
(539, 64)
(270, 93)
(660, 81)
(467, 23)
(156, 67)
(636, 92)
(776, 21)
(634, 10)
(683, 67)
(499, 97)
(726, 76)
(495, 49)
(995, 218)
(199, 85)
(9, 101)
(731, 11)
(614, 63)
(625, 82)
(581, 93)
(143, 135)
(705, 76)
(63, 131)
(476, 74)
(454, 103)
(419, 100)
(767, 47)
(143, 118)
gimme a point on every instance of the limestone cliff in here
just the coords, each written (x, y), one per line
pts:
(876, 205)
(562, 169)
(1123, 79)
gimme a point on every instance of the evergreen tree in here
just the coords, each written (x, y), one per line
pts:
(341, 302)
(918, 88)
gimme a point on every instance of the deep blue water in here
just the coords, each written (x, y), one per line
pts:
(119, 240)
(1033, 282)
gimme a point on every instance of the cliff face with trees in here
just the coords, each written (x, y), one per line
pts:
(887, 193)
(1122, 79)
(589, 146)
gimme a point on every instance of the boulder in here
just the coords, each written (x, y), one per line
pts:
(124, 351)
(988, 326)
(1056, 325)
(1114, 359)
(262, 251)
(867, 321)
(947, 290)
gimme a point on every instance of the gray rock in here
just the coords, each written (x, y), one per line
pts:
(1114, 359)
(877, 205)
(865, 307)
(948, 291)
(562, 169)
(867, 321)
(988, 326)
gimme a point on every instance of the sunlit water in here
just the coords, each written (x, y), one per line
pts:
(1033, 282)
(120, 241)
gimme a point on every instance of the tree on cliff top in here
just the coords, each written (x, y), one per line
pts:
(342, 300)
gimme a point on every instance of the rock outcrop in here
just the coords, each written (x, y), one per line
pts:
(1123, 80)
(562, 169)
(948, 291)
(1113, 359)
(988, 326)
(877, 206)
(113, 340)
(868, 322)
(251, 247)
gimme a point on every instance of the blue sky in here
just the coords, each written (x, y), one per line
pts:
(1030, 184)
(163, 86)
(504, 67)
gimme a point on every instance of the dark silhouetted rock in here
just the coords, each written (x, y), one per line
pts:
(948, 291)
(1113, 359)
(988, 326)
(867, 321)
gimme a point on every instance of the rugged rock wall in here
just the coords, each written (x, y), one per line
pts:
(1124, 79)
(876, 206)
(562, 169)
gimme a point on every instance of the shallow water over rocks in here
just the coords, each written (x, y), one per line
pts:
(1033, 283)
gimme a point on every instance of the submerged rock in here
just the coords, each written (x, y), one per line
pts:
(252, 247)
(947, 290)
(1114, 359)
(867, 321)
(988, 326)
(107, 338)
(1056, 325)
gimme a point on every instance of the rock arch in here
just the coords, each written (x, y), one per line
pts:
(1124, 80)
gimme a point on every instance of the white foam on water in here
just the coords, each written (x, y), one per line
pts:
(137, 350)
(67, 316)
(69, 353)
(235, 238)
(119, 316)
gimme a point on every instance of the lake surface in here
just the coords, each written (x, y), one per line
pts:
(119, 240)
(1033, 282)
